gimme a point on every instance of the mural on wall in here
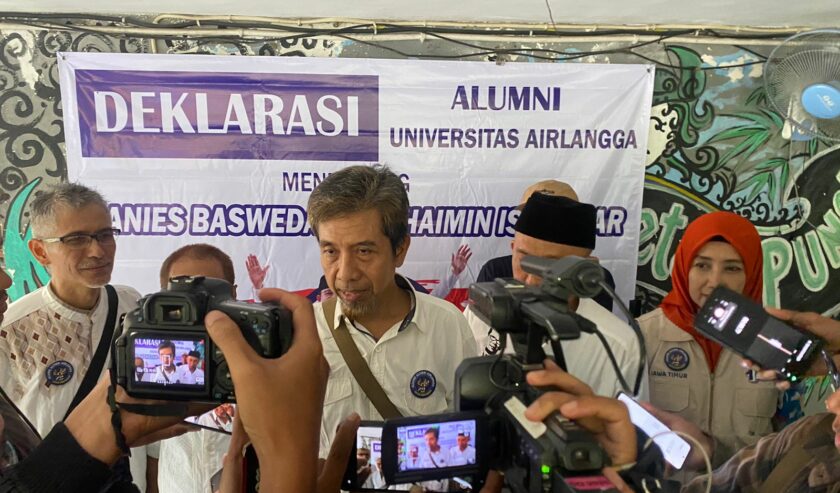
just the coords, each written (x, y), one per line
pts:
(713, 154)
(715, 143)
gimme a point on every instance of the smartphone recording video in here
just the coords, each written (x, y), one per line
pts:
(743, 326)
(364, 467)
(673, 447)
(219, 419)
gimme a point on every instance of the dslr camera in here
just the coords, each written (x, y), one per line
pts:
(453, 452)
(163, 350)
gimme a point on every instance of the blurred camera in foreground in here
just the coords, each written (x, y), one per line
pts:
(163, 350)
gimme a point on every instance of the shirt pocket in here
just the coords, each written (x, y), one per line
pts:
(755, 409)
(434, 403)
(669, 396)
(339, 387)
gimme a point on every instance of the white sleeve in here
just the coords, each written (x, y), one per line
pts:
(324, 443)
(480, 331)
(470, 345)
(445, 286)
(153, 450)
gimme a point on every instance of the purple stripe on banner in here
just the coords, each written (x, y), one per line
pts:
(228, 116)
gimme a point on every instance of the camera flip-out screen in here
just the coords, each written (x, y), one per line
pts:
(439, 451)
(176, 361)
(437, 446)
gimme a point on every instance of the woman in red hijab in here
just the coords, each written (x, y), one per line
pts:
(691, 375)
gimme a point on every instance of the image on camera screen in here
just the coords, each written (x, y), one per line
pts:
(162, 362)
(436, 446)
(217, 419)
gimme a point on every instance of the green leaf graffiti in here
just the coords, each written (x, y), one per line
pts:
(27, 274)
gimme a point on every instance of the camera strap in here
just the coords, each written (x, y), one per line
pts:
(98, 362)
(357, 365)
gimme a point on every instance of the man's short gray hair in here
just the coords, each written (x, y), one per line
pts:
(360, 188)
(44, 206)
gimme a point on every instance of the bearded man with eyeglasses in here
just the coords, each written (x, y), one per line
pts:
(49, 337)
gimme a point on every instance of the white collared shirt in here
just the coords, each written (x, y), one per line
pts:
(188, 462)
(458, 457)
(38, 330)
(26, 355)
(435, 339)
(585, 357)
(164, 377)
(187, 377)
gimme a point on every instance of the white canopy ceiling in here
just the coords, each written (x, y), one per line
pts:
(763, 13)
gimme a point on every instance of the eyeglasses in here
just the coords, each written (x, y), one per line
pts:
(105, 237)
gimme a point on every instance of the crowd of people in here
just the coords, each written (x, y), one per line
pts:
(300, 411)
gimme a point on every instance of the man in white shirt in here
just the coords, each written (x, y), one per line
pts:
(220, 418)
(190, 373)
(360, 217)
(139, 370)
(413, 460)
(188, 462)
(376, 480)
(434, 458)
(462, 454)
(166, 373)
(556, 227)
(49, 336)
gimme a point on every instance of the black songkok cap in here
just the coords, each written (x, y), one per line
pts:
(194, 354)
(558, 220)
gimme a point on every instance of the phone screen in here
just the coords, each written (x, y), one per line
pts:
(364, 470)
(673, 447)
(219, 419)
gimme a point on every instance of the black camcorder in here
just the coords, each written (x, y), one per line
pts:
(491, 395)
(163, 350)
(742, 325)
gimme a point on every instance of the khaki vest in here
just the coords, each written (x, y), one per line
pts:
(726, 405)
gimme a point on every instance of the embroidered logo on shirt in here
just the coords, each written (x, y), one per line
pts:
(59, 373)
(423, 384)
(677, 359)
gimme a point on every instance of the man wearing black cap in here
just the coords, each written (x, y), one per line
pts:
(190, 373)
(555, 227)
(503, 266)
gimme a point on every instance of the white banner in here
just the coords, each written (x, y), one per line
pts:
(225, 150)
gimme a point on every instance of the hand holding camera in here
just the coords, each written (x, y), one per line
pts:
(168, 327)
(279, 400)
(607, 419)
(90, 424)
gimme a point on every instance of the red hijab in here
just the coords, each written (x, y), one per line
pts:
(738, 232)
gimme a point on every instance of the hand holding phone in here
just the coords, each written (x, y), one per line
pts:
(742, 325)
(674, 448)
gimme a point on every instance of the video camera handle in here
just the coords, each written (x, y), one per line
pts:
(585, 278)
